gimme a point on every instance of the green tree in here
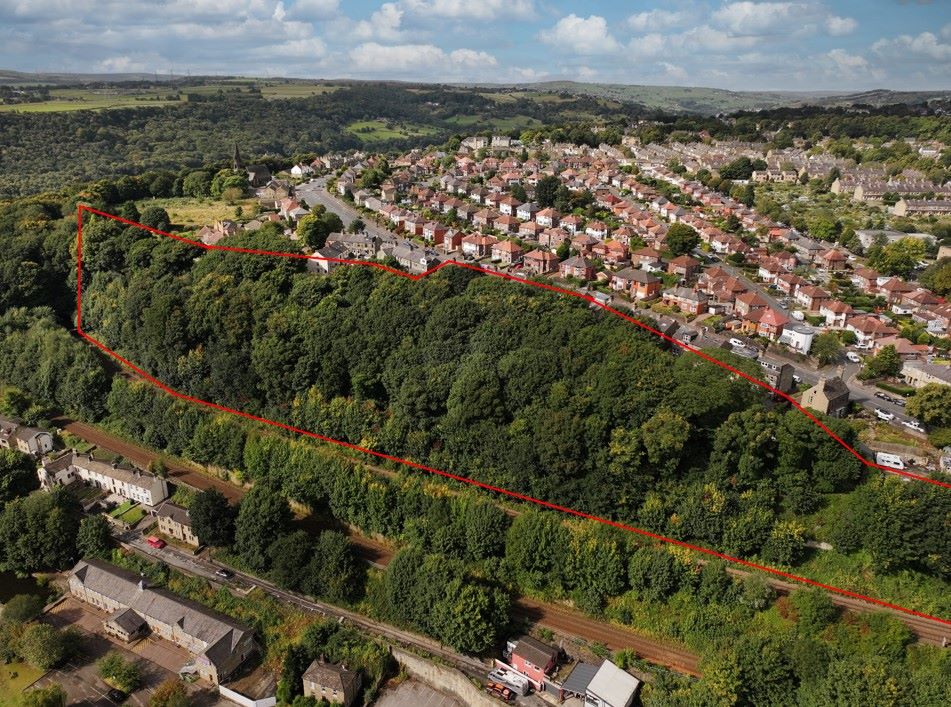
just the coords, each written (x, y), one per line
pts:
(38, 532)
(289, 557)
(212, 518)
(932, 405)
(937, 277)
(197, 184)
(334, 572)
(119, 672)
(313, 229)
(42, 646)
(827, 348)
(263, 516)
(885, 364)
(155, 217)
(94, 538)
(357, 226)
(17, 475)
(546, 191)
(535, 546)
(898, 257)
(49, 696)
(814, 610)
(681, 239)
(22, 608)
(171, 693)
(664, 436)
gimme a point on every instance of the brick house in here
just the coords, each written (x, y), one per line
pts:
(175, 522)
(684, 266)
(686, 300)
(507, 252)
(639, 284)
(578, 267)
(540, 262)
(534, 659)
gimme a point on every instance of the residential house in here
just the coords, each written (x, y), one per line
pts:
(865, 279)
(835, 312)
(894, 290)
(766, 321)
(361, 245)
(218, 644)
(25, 439)
(578, 266)
(746, 302)
(540, 262)
(812, 297)
(533, 659)
(639, 284)
(434, 232)
(611, 252)
(121, 479)
(867, 329)
(529, 230)
(175, 522)
(647, 258)
(526, 212)
(508, 205)
(833, 260)
(549, 218)
(478, 246)
(414, 258)
(507, 252)
(789, 283)
(553, 237)
(571, 223)
(798, 337)
(685, 266)
(906, 350)
(918, 374)
(584, 243)
(686, 300)
(331, 682)
(829, 396)
(597, 229)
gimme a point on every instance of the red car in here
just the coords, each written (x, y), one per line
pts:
(497, 689)
(155, 542)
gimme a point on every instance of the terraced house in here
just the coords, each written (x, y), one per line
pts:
(218, 644)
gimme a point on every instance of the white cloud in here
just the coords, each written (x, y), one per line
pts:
(472, 9)
(923, 46)
(384, 24)
(121, 64)
(582, 35)
(407, 58)
(315, 9)
(838, 26)
(648, 46)
(657, 19)
(674, 72)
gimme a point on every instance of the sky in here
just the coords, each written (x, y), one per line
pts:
(841, 45)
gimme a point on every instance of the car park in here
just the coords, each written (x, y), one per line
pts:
(884, 415)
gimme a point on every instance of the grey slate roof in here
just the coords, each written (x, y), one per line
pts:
(333, 676)
(177, 513)
(534, 651)
(219, 633)
(127, 619)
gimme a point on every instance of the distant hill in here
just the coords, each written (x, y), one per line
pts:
(9, 78)
(710, 101)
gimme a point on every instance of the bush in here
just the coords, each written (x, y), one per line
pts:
(22, 608)
(119, 672)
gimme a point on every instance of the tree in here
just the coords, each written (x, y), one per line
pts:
(518, 192)
(932, 405)
(338, 573)
(534, 547)
(38, 532)
(898, 257)
(155, 217)
(22, 608)
(681, 239)
(212, 518)
(94, 538)
(357, 226)
(49, 696)
(171, 693)
(289, 557)
(197, 183)
(546, 191)
(314, 228)
(814, 610)
(17, 475)
(42, 646)
(827, 348)
(664, 436)
(563, 250)
(124, 674)
(937, 277)
(885, 364)
(263, 516)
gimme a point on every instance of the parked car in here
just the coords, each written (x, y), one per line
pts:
(117, 696)
(155, 542)
(223, 573)
(884, 415)
(913, 425)
(892, 461)
(853, 357)
(881, 395)
(500, 691)
(737, 342)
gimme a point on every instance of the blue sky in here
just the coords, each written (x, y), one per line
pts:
(794, 45)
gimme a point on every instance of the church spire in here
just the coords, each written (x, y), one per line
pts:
(236, 162)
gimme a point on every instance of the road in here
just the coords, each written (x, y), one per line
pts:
(315, 192)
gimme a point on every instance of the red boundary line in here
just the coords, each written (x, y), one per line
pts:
(455, 477)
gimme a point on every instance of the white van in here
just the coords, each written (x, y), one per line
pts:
(853, 357)
(892, 461)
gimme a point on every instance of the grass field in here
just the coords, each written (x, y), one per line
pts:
(503, 124)
(377, 130)
(14, 678)
(188, 211)
(295, 90)
(69, 99)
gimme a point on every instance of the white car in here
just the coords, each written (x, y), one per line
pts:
(853, 357)
(737, 342)
(884, 415)
(913, 425)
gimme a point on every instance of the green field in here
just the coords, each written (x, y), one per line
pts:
(516, 122)
(377, 130)
(69, 99)
(14, 678)
(188, 211)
